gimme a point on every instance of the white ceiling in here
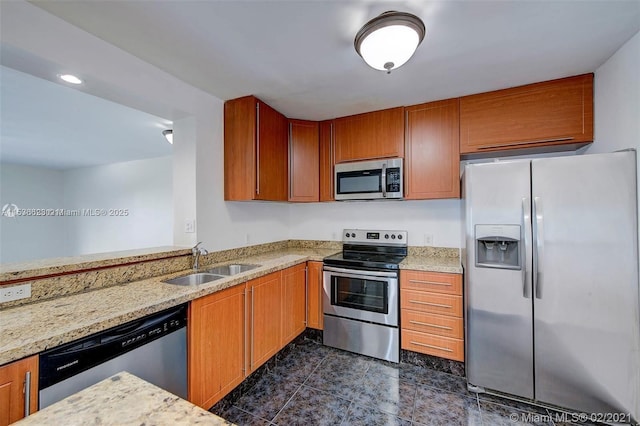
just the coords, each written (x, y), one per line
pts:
(51, 125)
(298, 55)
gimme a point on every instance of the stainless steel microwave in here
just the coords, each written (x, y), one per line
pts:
(369, 180)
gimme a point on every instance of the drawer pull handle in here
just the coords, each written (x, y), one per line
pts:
(431, 346)
(430, 282)
(443, 327)
(438, 305)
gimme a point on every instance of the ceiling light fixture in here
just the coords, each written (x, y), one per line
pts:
(388, 41)
(169, 135)
(70, 78)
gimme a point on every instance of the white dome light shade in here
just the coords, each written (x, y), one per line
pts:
(169, 135)
(389, 45)
(389, 40)
(70, 78)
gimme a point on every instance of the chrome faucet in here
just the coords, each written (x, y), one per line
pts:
(197, 252)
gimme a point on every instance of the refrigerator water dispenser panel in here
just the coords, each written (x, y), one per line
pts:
(498, 246)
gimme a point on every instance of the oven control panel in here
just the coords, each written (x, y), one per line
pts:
(377, 237)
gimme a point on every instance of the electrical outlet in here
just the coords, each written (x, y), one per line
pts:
(16, 292)
(428, 239)
(247, 239)
(189, 226)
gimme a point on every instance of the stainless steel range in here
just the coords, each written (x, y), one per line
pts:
(361, 293)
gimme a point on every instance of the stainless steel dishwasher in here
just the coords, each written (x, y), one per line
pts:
(153, 348)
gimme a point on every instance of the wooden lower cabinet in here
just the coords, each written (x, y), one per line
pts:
(216, 345)
(294, 310)
(234, 331)
(431, 314)
(314, 295)
(12, 389)
(265, 316)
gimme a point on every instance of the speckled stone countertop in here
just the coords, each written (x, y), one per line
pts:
(123, 399)
(35, 268)
(29, 329)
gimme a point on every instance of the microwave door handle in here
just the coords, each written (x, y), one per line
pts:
(384, 181)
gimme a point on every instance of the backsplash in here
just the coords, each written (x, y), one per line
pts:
(109, 273)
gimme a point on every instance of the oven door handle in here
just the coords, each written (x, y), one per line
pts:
(361, 273)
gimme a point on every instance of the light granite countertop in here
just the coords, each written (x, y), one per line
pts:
(123, 399)
(30, 329)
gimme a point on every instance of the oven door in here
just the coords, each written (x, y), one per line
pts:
(361, 295)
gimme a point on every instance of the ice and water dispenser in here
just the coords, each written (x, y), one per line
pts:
(498, 246)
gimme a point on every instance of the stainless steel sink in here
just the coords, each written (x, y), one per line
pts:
(231, 269)
(194, 279)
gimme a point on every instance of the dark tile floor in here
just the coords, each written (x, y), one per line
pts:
(317, 385)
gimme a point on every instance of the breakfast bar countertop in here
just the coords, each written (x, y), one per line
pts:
(123, 399)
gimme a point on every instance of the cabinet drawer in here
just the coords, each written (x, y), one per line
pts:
(435, 282)
(430, 344)
(435, 303)
(441, 325)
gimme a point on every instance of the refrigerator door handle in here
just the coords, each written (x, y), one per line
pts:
(538, 236)
(526, 251)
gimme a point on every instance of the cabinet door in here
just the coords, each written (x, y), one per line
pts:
(294, 307)
(377, 134)
(327, 161)
(240, 181)
(432, 163)
(314, 295)
(216, 345)
(304, 164)
(255, 151)
(264, 320)
(548, 113)
(12, 389)
(271, 146)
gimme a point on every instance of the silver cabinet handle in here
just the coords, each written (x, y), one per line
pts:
(244, 341)
(253, 331)
(439, 305)
(384, 181)
(539, 243)
(306, 296)
(27, 393)
(443, 327)
(430, 282)
(290, 160)
(332, 155)
(440, 348)
(525, 143)
(257, 148)
(526, 231)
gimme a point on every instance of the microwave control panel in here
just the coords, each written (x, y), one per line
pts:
(393, 179)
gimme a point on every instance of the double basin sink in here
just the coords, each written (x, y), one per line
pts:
(212, 274)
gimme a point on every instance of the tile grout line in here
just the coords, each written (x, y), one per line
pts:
(346, 414)
(298, 389)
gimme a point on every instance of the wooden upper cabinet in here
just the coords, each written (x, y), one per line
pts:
(432, 162)
(548, 113)
(326, 161)
(255, 151)
(13, 383)
(304, 163)
(216, 345)
(378, 134)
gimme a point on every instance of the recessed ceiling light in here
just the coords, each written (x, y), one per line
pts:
(169, 135)
(70, 78)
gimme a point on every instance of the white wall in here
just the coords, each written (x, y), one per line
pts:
(325, 221)
(123, 78)
(31, 237)
(617, 102)
(143, 188)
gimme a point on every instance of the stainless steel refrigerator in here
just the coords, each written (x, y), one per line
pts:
(551, 281)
